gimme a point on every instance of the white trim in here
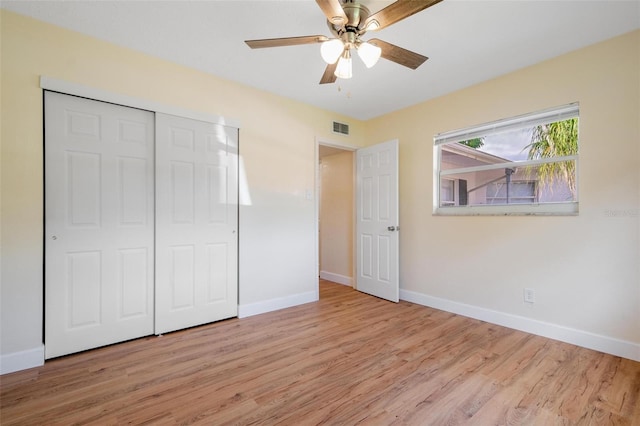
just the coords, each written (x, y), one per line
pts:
(548, 209)
(316, 209)
(610, 345)
(276, 304)
(335, 144)
(336, 278)
(69, 88)
(22, 360)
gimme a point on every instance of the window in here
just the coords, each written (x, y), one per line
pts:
(446, 192)
(522, 165)
(453, 192)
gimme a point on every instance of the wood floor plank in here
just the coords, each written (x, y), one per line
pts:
(349, 358)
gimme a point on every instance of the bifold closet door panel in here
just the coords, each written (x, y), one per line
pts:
(99, 224)
(196, 223)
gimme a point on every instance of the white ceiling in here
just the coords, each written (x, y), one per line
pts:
(467, 42)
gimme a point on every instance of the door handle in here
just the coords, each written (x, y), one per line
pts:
(391, 228)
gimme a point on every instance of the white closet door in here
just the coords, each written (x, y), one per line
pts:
(196, 222)
(99, 223)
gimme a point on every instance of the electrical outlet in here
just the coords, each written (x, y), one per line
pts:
(529, 295)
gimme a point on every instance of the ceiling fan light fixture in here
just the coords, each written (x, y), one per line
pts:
(331, 50)
(369, 53)
(344, 70)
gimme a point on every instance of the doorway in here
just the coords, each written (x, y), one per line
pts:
(336, 213)
(371, 236)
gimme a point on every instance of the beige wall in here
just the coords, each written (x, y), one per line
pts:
(336, 215)
(585, 269)
(278, 254)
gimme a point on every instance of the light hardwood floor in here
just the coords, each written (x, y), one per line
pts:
(347, 359)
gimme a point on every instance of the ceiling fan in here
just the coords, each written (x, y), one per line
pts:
(348, 21)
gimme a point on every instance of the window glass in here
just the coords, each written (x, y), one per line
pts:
(527, 160)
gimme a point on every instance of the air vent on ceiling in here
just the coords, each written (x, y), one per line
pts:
(341, 128)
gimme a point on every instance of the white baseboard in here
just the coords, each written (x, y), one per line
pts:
(609, 345)
(336, 278)
(22, 360)
(276, 304)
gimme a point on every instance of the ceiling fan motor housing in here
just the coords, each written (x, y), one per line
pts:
(357, 14)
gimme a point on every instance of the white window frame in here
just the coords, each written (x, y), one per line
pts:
(564, 112)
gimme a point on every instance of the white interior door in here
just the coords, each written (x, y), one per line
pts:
(377, 228)
(99, 224)
(196, 222)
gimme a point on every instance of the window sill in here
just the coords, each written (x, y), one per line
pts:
(548, 209)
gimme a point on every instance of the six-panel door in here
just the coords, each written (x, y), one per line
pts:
(377, 226)
(99, 224)
(196, 222)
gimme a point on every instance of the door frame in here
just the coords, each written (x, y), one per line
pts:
(68, 88)
(345, 147)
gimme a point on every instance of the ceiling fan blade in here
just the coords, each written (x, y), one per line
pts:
(396, 12)
(329, 76)
(285, 41)
(399, 55)
(332, 9)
